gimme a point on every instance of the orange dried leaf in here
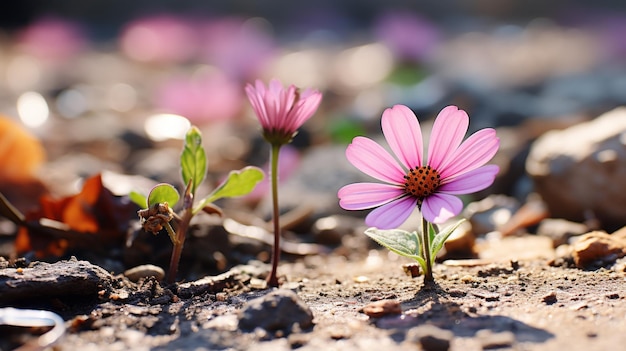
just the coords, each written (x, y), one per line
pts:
(92, 218)
(21, 154)
(79, 212)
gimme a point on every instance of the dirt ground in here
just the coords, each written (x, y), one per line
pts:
(506, 300)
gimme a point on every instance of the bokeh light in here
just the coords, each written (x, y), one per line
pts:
(121, 97)
(71, 103)
(32, 109)
(363, 66)
(166, 126)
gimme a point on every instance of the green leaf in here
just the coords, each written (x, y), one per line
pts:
(440, 238)
(399, 241)
(163, 193)
(432, 232)
(238, 183)
(193, 159)
(403, 243)
(138, 198)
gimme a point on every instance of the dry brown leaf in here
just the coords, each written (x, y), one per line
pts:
(92, 218)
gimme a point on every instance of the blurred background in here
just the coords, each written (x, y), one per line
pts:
(504, 61)
(113, 85)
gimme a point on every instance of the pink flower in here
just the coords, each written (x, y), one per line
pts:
(238, 46)
(202, 98)
(160, 39)
(53, 39)
(452, 168)
(282, 111)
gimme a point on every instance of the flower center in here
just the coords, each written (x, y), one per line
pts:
(421, 182)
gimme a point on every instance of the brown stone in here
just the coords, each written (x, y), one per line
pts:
(579, 171)
(382, 308)
(597, 246)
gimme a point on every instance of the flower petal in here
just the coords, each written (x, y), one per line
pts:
(255, 95)
(373, 160)
(438, 207)
(471, 182)
(393, 214)
(279, 109)
(303, 110)
(403, 134)
(448, 131)
(283, 100)
(360, 196)
(477, 150)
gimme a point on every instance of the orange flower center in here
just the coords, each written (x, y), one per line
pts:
(421, 182)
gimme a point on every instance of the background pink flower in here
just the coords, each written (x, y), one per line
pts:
(281, 111)
(53, 39)
(202, 98)
(159, 39)
(241, 47)
(453, 167)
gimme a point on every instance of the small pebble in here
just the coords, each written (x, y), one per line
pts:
(144, 271)
(411, 269)
(361, 279)
(468, 279)
(550, 298)
(382, 308)
(613, 296)
(258, 284)
(221, 296)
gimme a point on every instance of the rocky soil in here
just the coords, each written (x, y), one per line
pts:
(513, 298)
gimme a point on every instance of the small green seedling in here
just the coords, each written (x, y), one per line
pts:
(411, 245)
(163, 197)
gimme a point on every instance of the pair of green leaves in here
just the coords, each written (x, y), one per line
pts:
(193, 164)
(409, 244)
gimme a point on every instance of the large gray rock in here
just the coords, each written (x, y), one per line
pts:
(580, 172)
(280, 310)
(50, 280)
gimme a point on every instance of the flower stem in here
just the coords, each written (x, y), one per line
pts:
(181, 233)
(428, 274)
(178, 246)
(272, 279)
